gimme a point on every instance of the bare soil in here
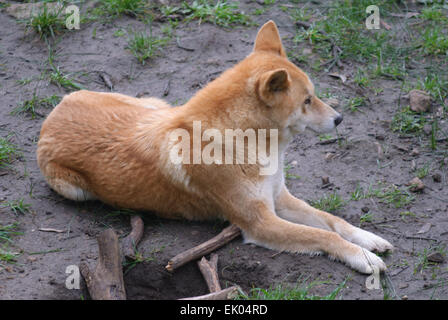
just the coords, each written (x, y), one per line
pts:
(175, 75)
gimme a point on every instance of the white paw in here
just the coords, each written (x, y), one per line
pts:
(365, 261)
(370, 241)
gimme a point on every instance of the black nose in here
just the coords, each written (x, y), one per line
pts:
(338, 120)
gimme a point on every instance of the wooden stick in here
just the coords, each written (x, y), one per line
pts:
(226, 235)
(106, 282)
(209, 270)
(225, 294)
(130, 243)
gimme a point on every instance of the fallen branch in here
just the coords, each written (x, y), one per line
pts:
(225, 294)
(106, 282)
(129, 244)
(226, 235)
(209, 270)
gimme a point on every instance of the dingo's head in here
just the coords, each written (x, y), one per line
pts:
(286, 91)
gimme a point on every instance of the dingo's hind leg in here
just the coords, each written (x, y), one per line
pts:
(67, 183)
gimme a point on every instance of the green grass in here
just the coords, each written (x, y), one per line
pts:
(422, 260)
(47, 22)
(288, 175)
(394, 196)
(30, 106)
(329, 203)
(390, 195)
(286, 292)
(434, 13)
(144, 45)
(8, 151)
(423, 171)
(368, 217)
(324, 137)
(407, 214)
(435, 83)
(17, 206)
(434, 41)
(300, 14)
(221, 13)
(8, 256)
(407, 121)
(57, 76)
(343, 23)
(62, 80)
(360, 78)
(140, 258)
(116, 8)
(7, 233)
(358, 193)
(353, 104)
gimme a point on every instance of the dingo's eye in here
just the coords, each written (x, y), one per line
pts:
(308, 101)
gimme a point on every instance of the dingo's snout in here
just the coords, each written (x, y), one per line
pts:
(338, 120)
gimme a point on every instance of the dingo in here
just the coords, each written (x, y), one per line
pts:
(117, 149)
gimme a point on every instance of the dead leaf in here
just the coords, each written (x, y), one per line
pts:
(436, 257)
(339, 76)
(425, 228)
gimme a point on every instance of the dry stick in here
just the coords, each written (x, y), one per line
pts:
(130, 243)
(226, 235)
(106, 282)
(224, 294)
(209, 270)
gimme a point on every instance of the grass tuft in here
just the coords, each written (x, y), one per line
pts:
(144, 45)
(48, 22)
(116, 8)
(30, 106)
(407, 121)
(286, 292)
(17, 206)
(8, 151)
(329, 203)
(7, 232)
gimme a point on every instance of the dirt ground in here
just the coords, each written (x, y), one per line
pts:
(194, 56)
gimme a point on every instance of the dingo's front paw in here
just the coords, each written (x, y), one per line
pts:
(370, 241)
(365, 261)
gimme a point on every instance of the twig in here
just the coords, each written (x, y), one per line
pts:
(51, 230)
(225, 294)
(166, 90)
(106, 282)
(130, 243)
(107, 80)
(209, 270)
(227, 235)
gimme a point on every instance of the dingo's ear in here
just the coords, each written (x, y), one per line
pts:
(273, 81)
(268, 39)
